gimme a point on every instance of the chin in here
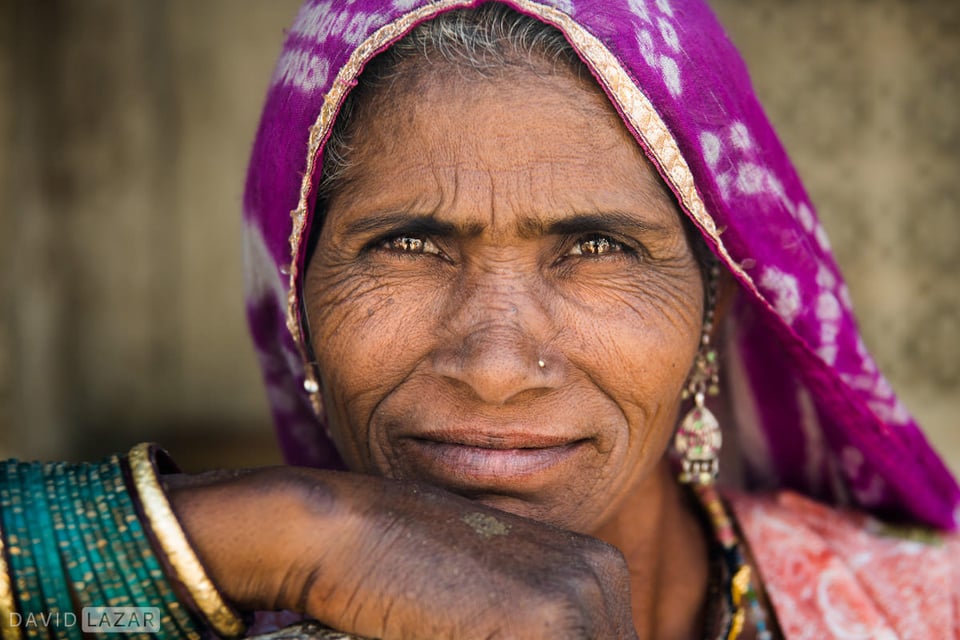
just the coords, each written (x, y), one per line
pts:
(567, 514)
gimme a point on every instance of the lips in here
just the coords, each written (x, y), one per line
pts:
(496, 439)
(478, 461)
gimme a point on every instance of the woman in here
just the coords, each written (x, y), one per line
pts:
(518, 233)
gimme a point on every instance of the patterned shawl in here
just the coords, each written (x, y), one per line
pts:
(813, 413)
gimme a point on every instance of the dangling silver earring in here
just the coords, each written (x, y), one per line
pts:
(311, 385)
(698, 439)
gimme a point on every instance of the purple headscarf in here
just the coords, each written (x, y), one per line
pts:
(812, 411)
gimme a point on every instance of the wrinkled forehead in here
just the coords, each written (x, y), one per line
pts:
(492, 159)
(448, 106)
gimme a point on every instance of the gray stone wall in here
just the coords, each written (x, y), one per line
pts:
(125, 128)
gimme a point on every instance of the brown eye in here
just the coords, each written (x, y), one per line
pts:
(596, 245)
(411, 244)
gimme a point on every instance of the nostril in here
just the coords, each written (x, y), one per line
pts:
(497, 364)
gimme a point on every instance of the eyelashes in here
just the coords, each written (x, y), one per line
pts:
(408, 243)
(596, 244)
(590, 245)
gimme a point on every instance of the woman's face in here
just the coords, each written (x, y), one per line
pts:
(502, 299)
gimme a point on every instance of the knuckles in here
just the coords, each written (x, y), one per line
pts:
(581, 593)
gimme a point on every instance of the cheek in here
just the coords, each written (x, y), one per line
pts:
(647, 321)
(637, 338)
(367, 333)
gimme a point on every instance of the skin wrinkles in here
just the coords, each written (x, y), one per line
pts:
(412, 344)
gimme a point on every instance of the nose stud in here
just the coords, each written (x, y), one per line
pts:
(541, 363)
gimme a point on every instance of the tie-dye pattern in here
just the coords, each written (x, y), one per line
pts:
(847, 575)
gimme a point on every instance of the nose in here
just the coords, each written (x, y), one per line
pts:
(497, 343)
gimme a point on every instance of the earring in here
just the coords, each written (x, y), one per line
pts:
(311, 385)
(698, 439)
(311, 380)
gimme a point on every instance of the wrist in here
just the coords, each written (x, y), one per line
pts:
(262, 534)
(184, 568)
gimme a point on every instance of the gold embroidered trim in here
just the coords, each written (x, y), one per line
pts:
(620, 88)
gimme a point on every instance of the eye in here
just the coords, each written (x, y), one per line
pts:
(410, 244)
(596, 244)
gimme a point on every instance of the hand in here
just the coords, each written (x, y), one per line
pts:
(390, 559)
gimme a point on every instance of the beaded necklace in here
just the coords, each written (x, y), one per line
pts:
(736, 594)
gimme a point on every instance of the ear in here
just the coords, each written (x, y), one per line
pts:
(726, 293)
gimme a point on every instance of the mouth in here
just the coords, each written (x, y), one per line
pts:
(505, 463)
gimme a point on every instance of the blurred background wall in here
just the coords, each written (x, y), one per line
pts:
(124, 133)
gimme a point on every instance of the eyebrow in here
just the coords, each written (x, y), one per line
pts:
(401, 222)
(428, 224)
(617, 221)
